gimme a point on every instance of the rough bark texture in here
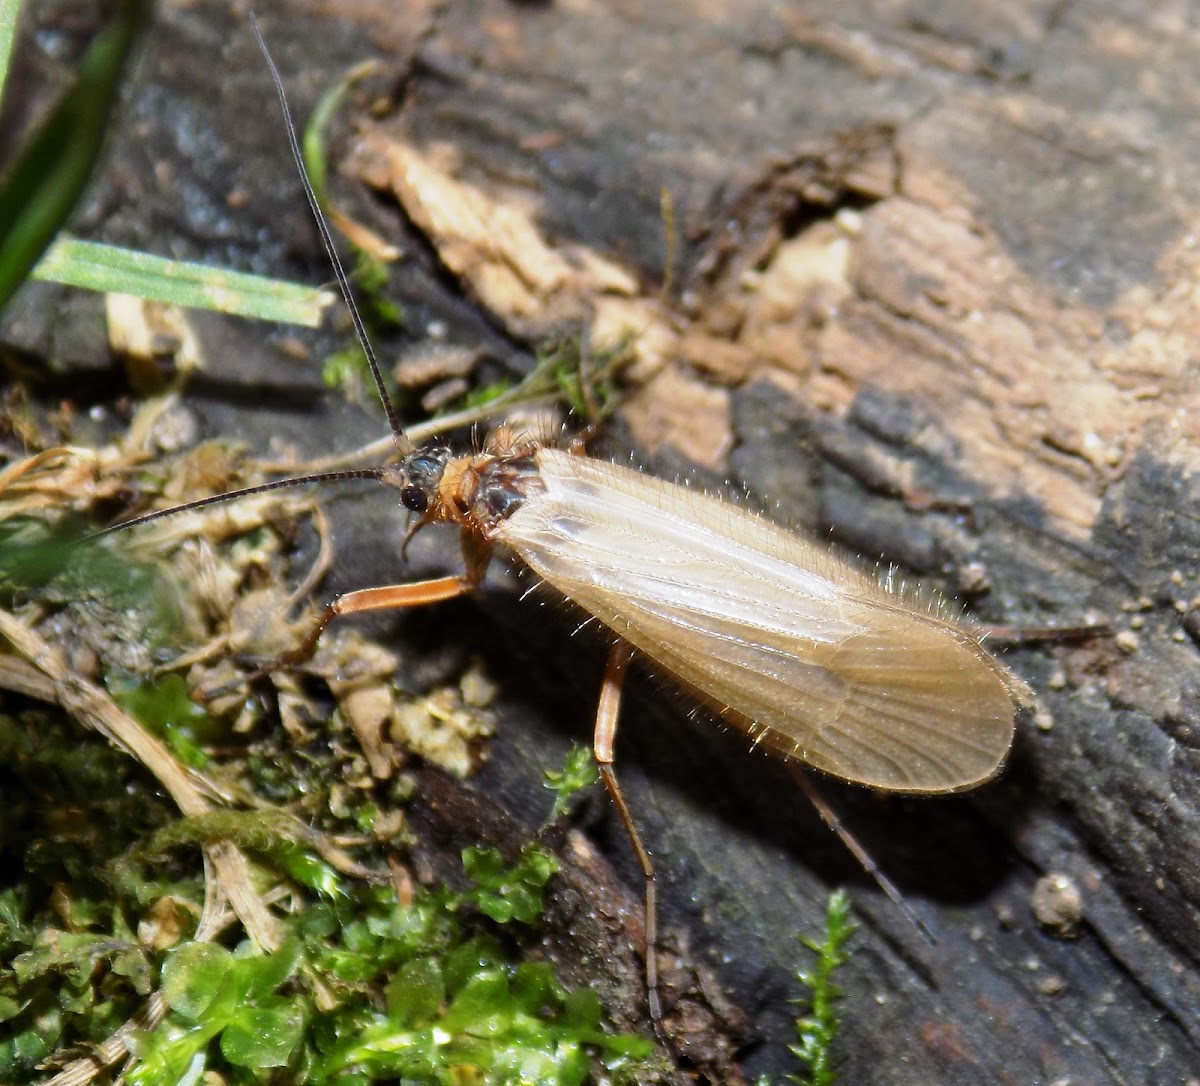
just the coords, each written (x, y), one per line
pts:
(935, 292)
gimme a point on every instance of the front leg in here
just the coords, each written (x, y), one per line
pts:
(384, 598)
(477, 553)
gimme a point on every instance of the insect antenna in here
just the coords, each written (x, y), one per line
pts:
(403, 444)
(400, 438)
(245, 492)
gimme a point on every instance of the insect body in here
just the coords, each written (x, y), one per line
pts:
(815, 659)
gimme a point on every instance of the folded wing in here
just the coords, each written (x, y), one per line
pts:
(812, 657)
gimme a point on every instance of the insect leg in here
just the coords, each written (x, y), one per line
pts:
(602, 746)
(830, 818)
(1028, 635)
(383, 598)
(577, 445)
(476, 556)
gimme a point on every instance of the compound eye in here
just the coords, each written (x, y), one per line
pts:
(414, 498)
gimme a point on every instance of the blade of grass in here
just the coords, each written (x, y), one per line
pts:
(125, 271)
(312, 139)
(370, 250)
(10, 12)
(44, 182)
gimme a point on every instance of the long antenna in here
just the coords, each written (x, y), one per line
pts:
(377, 474)
(401, 440)
(403, 444)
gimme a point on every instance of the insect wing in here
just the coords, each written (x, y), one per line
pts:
(811, 656)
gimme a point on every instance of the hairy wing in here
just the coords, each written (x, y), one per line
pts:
(812, 657)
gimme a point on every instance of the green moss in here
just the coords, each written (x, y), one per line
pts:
(817, 1026)
(163, 708)
(586, 381)
(72, 967)
(367, 990)
(362, 989)
(578, 773)
(563, 371)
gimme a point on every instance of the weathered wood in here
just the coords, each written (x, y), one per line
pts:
(937, 294)
(1002, 332)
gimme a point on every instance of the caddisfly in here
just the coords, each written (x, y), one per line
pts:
(813, 658)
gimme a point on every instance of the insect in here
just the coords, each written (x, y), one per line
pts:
(816, 660)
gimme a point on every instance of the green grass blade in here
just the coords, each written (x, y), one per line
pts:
(40, 189)
(125, 271)
(10, 13)
(312, 139)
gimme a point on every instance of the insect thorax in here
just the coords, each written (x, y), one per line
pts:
(476, 491)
